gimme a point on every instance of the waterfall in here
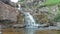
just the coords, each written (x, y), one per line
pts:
(29, 20)
(15, 1)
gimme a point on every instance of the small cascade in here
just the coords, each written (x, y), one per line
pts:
(15, 1)
(29, 20)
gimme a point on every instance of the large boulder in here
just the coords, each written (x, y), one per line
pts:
(7, 12)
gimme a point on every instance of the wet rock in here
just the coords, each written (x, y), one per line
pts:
(18, 26)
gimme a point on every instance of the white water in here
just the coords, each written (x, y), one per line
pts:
(15, 1)
(29, 20)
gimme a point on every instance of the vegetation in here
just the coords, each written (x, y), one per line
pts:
(36, 5)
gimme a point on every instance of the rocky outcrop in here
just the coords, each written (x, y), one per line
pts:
(41, 12)
(7, 12)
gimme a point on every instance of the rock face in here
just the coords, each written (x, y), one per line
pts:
(9, 2)
(42, 13)
(5, 1)
(7, 12)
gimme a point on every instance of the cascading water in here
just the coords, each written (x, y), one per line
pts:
(15, 1)
(29, 21)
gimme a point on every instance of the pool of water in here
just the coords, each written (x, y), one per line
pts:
(28, 31)
(41, 30)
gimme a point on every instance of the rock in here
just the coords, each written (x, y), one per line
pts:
(18, 26)
(7, 12)
(9, 2)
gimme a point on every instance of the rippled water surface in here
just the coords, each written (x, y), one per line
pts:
(28, 31)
